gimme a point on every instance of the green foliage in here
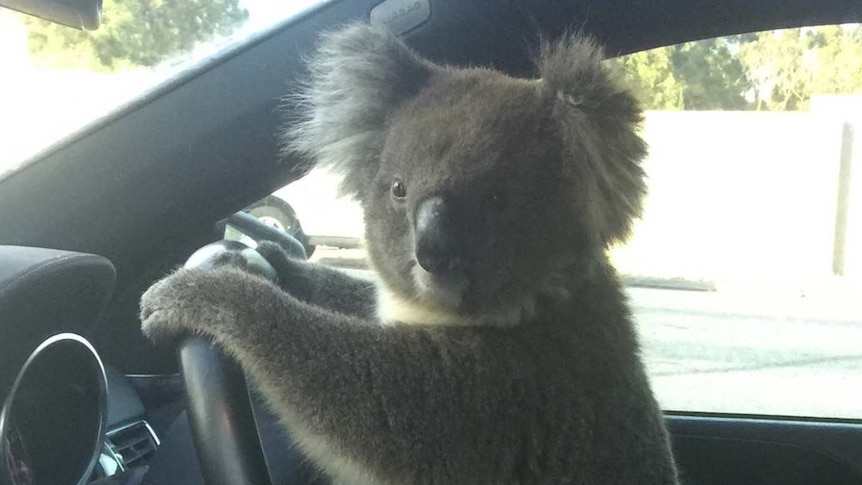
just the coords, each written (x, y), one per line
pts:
(135, 33)
(781, 72)
(713, 78)
(773, 70)
(788, 67)
(838, 60)
(650, 76)
(693, 76)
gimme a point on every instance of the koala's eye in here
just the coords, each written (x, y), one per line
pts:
(398, 190)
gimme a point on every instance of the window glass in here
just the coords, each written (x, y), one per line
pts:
(745, 272)
(55, 79)
(754, 221)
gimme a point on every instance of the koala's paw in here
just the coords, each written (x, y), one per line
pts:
(272, 252)
(290, 271)
(230, 258)
(183, 303)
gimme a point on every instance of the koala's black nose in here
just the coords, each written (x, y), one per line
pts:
(436, 241)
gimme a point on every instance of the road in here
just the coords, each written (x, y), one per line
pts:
(744, 350)
(707, 351)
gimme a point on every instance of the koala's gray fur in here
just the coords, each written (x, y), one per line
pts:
(518, 364)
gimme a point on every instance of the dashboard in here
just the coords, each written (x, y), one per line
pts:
(65, 417)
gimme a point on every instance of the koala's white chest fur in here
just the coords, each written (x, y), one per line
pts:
(393, 309)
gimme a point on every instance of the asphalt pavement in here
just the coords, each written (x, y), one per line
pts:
(748, 353)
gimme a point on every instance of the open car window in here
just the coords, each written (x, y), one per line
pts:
(745, 270)
(57, 80)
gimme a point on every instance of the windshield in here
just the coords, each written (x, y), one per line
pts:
(56, 80)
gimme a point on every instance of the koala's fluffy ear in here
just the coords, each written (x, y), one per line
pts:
(597, 120)
(359, 75)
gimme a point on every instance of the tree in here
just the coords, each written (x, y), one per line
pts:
(694, 76)
(711, 76)
(789, 66)
(838, 65)
(779, 69)
(135, 33)
(781, 73)
(650, 76)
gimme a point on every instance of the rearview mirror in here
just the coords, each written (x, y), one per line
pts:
(78, 14)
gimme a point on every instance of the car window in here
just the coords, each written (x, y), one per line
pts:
(745, 271)
(57, 80)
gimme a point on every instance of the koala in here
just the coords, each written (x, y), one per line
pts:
(496, 344)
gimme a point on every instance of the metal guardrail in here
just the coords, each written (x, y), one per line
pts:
(336, 242)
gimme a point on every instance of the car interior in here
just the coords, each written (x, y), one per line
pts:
(89, 224)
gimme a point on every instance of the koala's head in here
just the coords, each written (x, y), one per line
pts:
(478, 188)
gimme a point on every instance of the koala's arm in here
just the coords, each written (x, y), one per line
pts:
(345, 388)
(411, 404)
(320, 285)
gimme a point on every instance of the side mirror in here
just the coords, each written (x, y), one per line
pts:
(78, 14)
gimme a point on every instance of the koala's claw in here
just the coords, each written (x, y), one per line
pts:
(175, 306)
(157, 320)
(155, 326)
(273, 253)
(230, 258)
(288, 268)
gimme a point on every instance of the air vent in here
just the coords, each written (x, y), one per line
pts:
(132, 444)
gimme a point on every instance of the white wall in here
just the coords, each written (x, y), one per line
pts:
(741, 196)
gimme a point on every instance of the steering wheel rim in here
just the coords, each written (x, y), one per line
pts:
(223, 424)
(224, 429)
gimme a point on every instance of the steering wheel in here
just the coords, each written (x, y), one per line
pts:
(224, 428)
